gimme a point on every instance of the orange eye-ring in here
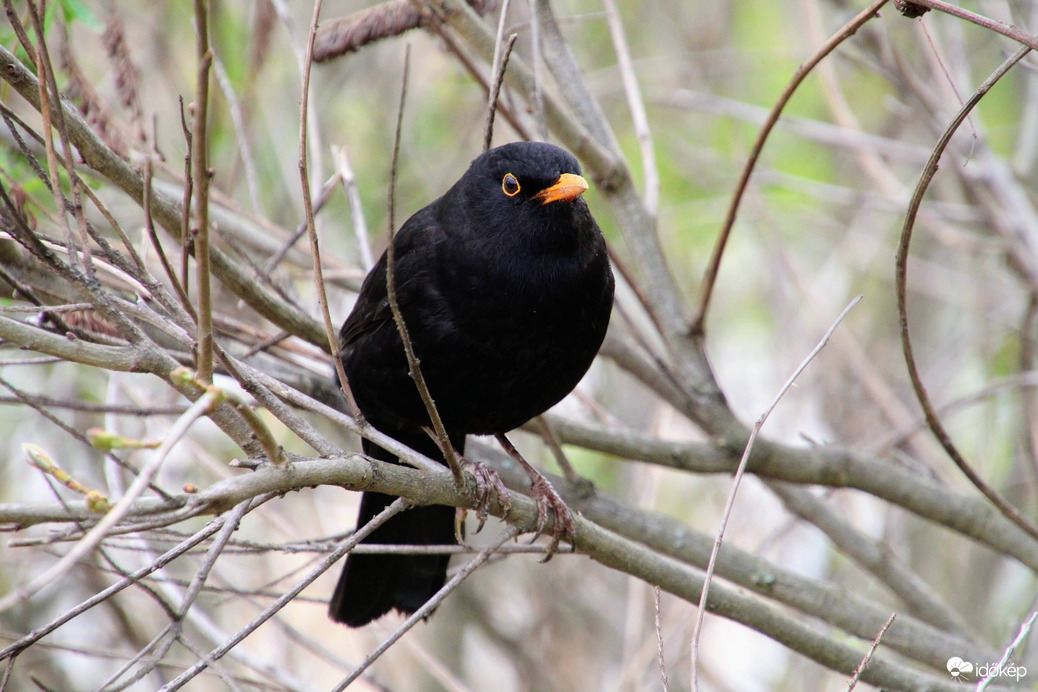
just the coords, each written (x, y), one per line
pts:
(510, 185)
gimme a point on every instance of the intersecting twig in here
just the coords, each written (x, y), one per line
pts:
(998, 27)
(40, 632)
(52, 114)
(198, 409)
(429, 606)
(356, 537)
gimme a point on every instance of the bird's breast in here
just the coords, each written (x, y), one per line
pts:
(511, 342)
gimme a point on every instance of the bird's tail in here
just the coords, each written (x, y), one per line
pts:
(372, 585)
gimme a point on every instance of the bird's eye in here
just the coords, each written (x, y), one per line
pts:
(510, 185)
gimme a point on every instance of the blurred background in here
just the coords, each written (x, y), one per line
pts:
(819, 224)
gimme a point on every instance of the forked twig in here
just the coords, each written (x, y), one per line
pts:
(735, 488)
(698, 324)
(998, 27)
(901, 279)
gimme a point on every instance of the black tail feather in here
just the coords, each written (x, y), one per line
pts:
(372, 585)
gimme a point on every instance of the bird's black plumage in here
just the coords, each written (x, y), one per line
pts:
(505, 287)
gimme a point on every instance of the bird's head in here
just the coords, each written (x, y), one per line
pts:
(528, 191)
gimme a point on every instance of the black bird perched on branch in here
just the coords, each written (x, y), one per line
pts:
(505, 288)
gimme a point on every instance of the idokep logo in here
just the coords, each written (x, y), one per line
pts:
(959, 668)
(964, 670)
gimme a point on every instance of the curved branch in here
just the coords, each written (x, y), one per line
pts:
(698, 324)
(932, 419)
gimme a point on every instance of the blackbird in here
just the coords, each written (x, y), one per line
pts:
(505, 287)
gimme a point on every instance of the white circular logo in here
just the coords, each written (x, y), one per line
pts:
(958, 668)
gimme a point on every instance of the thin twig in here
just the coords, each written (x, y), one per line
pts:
(241, 133)
(662, 660)
(868, 656)
(66, 147)
(349, 185)
(429, 606)
(322, 198)
(497, 71)
(186, 241)
(200, 182)
(570, 473)
(901, 277)
(149, 226)
(7, 671)
(442, 438)
(537, 97)
(735, 488)
(636, 104)
(1025, 629)
(698, 324)
(495, 90)
(311, 226)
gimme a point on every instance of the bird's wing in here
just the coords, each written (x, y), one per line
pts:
(413, 252)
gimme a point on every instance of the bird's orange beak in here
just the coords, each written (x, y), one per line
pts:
(568, 187)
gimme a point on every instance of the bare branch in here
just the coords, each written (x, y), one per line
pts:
(200, 183)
